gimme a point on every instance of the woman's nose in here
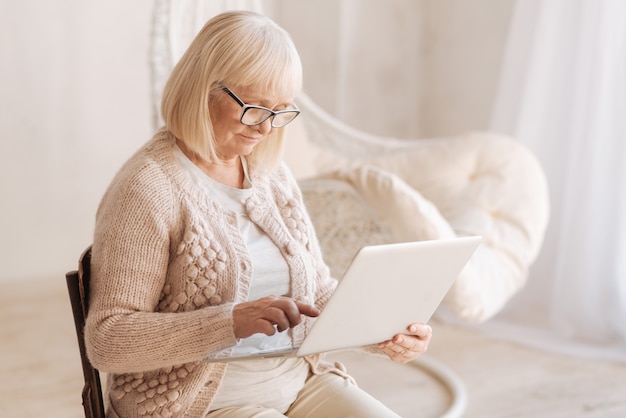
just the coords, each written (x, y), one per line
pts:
(265, 127)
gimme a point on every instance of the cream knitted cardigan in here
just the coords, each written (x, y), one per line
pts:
(168, 265)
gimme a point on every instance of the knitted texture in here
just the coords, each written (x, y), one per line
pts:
(168, 266)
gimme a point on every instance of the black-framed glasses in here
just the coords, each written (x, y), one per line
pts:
(255, 115)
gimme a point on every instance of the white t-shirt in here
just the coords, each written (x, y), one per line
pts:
(271, 383)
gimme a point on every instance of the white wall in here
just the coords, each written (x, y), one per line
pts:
(75, 100)
(74, 93)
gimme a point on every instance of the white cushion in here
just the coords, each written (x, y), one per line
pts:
(476, 184)
(366, 205)
(482, 184)
(343, 221)
(401, 209)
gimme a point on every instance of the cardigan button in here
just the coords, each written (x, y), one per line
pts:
(255, 214)
(292, 248)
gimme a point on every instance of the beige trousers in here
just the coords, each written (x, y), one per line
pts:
(323, 396)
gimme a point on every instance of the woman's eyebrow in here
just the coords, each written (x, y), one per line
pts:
(264, 101)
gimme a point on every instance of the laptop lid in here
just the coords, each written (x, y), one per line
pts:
(386, 288)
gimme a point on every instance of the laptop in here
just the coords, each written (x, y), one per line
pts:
(385, 288)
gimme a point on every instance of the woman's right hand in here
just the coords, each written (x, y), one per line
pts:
(268, 314)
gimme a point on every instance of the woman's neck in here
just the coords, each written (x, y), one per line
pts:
(228, 172)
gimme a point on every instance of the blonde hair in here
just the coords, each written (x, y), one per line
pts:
(237, 48)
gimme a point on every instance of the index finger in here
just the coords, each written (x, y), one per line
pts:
(293, 309)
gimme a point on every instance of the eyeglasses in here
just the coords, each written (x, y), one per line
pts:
(256, 115)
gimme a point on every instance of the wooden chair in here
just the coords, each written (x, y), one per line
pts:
(78, 288)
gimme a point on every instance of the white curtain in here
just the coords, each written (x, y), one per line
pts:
(563, 93)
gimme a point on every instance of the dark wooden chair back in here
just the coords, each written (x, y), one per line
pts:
(78, 288)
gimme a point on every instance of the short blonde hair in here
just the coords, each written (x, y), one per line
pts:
(237, 48)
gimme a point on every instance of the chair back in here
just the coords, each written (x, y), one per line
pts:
(78, 288)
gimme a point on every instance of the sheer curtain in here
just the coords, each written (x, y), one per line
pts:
(562, 92)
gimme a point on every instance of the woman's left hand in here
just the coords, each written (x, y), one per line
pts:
(403, 348)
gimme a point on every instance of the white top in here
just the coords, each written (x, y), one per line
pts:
(270, 276)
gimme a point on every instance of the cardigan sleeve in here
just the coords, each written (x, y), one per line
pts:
(131, 253)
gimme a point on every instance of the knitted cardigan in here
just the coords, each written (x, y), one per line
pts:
(169, 264)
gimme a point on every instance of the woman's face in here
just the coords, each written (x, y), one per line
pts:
(232, 138)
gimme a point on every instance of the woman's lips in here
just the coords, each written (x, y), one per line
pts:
(251, 139)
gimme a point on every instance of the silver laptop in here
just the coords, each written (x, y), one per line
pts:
(385, 288)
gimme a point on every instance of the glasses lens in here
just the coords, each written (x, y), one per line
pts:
(255, 115)
(283, 118)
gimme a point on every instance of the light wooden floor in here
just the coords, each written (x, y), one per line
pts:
(41, 375)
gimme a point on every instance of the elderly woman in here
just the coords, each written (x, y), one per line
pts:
(203, 245)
